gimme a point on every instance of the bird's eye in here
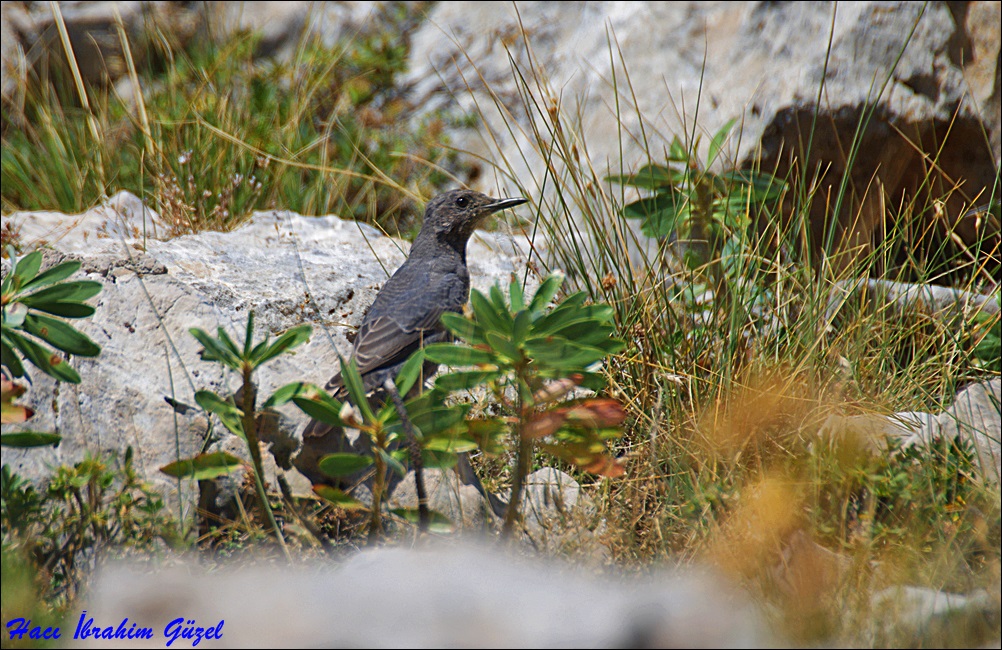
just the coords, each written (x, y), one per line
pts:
(462, 201)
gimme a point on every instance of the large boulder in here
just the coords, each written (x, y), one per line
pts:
(287, 268)
(626, 77)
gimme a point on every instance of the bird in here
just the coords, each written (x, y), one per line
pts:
(406, 315)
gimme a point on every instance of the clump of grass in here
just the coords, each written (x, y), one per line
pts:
(732, 366)
(220, 132)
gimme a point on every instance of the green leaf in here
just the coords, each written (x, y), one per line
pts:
(586, 333)
(249, 335)
(487, 316)
(337, 497)
(593, 380)
(465, 380)
(488, 434)
(437, 420)
(214, 350)
(292, 338)
(259, 349)
(66, 292)
(321, 406)
(677, 151)
(437, 459)
(659, 215)
(762, 187)
(570, 310)
(6, 284)
(450, 443)
(25, 439)
(497, 299)
(356, 389)
(61, 335)
(9, 359)
(520, 327)
(438, 523)
(49, 362)
(452, 354)
(718, 141)
(67, 309)
(563, 354)
(53, 275)
(462, 327)
(503, 345)
(598, 316)
(651, 177)
(27, 267)
(204, 466)
(546, 291)
(393, 463)
(294, 390)
(224, 339)
(516, 294)
(410, 372)
(343, 464)
(227, 411)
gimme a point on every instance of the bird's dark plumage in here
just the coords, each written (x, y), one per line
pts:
(407, 311)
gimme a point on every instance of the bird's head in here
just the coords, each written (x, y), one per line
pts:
(452, 217)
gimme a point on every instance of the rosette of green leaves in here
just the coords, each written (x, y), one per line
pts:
(34, 306)
(239, 418)
(688, 200)
(244, 360)
(523, 344)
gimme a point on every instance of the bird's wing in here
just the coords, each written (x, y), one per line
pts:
(405, 314)
(384, 340)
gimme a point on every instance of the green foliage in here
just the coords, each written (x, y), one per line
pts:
(344, 464)
(97, 505)
(32, 329)
(203, 466)
(762, 293)
(30, 300)
(530, 356)
(896, 495)
(988, 337)
(522, 348)
(222, 132)
(26, 439)
(240, 417)
(223, 350)
(710, 212)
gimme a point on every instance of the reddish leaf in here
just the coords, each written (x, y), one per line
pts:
(597, 414)
(605, 466)
(543, 424)
(13, 413)
(554, 390)
(589, 414)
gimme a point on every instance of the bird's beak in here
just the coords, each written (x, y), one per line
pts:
(503, 204)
